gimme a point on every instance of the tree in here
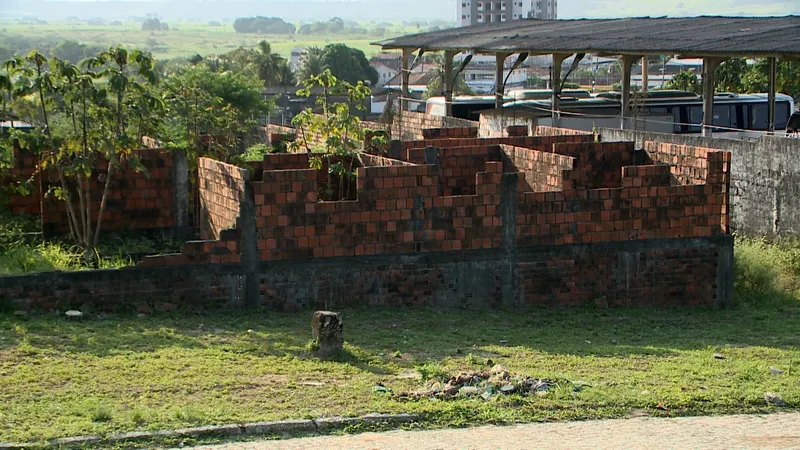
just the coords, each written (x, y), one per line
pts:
(340, 131)
(728, 77)
(349, 64)
(313, 64)
(259, 61)
(435, 87)
(685, 81)
(74, 52)
(87, 116)
(153, 23)
(210, 112)
(263, 25)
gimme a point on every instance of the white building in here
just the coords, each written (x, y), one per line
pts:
(473, 12)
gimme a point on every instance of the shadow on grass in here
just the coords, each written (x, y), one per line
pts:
(422, 333)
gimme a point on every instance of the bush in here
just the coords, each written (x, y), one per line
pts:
(767, 272)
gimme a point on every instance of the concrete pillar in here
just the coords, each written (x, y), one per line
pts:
(508, 239)
(558, 59)
(405, 72)
(709, 66)
(180, 178)
(500, 61)
(627, 66)
(448, 82)
(645, 74)
(772, 88)
(249, 255)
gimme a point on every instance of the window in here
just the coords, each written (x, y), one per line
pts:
(463, 16)
(488, 6)
(759, 116)
(463, 5)
(503, 17)
(480, 6)
(503, 6)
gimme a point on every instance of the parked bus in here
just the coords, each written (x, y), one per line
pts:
(469, 106)
(732, 112)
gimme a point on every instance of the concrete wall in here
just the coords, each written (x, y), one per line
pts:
(765, 178)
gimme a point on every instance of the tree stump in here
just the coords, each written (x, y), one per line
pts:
(326, 331)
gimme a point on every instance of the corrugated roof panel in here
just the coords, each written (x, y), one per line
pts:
(723, 36)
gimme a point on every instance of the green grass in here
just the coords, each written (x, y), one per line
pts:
(184, 39)
(23, 251)
(60, 379)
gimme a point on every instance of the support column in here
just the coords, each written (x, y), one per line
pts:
(405, 72)
(500, 61)
(558, 59)
(771, 94)
(448, 82)
(645, 74)
(627, 66)
(709, 66)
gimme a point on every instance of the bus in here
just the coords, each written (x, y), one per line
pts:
(470, 106)
(732, 112)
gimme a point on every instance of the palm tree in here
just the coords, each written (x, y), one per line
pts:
(268, 64)
(286, 76)
(313, 63)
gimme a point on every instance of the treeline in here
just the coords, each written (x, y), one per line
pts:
(263, 25)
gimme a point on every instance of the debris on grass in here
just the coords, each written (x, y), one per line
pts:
(774, 399)
(487, 384)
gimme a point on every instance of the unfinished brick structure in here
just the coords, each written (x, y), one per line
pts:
(451, 220)
(545, 220)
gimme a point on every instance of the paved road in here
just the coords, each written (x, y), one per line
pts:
(778, 431)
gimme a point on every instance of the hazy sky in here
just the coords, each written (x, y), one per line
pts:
(377, 9)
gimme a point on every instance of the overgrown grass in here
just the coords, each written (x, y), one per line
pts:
(767, 273)
(22, 250)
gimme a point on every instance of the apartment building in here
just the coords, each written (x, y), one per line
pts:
(473, 12)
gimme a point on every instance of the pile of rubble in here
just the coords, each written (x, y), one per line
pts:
(497, 381)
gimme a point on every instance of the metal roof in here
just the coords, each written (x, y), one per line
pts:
(690, 36)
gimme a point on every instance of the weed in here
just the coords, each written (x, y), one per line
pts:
(189, 414)
(101, 413)
(432, 371)
(473, 360)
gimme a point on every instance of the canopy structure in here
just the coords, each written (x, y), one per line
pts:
(714, 39)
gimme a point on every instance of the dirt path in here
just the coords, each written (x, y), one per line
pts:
(778, 431)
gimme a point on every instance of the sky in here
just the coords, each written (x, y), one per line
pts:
(376, 9)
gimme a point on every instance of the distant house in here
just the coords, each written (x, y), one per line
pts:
(388, 66)
(296, 58)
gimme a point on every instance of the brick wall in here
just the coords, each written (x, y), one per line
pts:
(619, 227)
(541, 171)
(659, 273)
(646, 206)
(136, 200)
(187, 287)
(410, 125)
(687, 163)
(222, 189)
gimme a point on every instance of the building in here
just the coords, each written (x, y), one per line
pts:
(473, 12)
(387, 64)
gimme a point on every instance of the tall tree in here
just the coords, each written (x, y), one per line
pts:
(349, 64)
(313, 64)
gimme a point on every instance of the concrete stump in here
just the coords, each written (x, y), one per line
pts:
(326, 331)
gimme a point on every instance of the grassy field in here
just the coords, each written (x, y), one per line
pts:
(125, 373)
(184, 39)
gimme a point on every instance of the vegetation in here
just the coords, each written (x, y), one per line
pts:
(183, 39)
(22, 249)
(738, 76)
(685, 81)
(84, 115)
(124, 373)
(435, 87)
(335, 136)
(263, 25)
